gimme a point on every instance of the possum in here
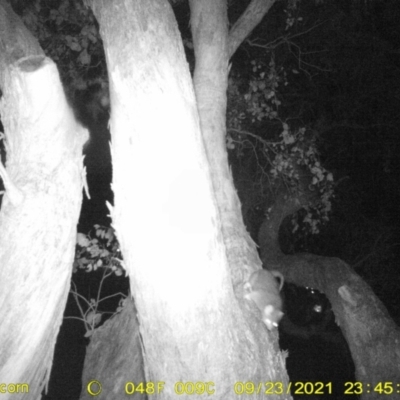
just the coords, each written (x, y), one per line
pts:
(263, 289)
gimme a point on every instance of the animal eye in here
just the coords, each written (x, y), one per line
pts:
(317, 308)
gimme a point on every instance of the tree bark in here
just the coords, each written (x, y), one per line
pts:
(252, 16)
(40, 208)
(209, 24)
(165, 212)
(121, 333)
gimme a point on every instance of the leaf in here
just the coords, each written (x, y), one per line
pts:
(89, 333)
(82, 240)
(84, 58)
(104, 253)
(72, 43)
(92, 318)
(118, 272)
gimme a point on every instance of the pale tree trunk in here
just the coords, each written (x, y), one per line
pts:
(212, 45)
(40, 208)
(166, 217)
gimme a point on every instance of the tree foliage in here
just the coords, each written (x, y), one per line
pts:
(97, 251)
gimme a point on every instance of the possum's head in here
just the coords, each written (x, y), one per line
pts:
(271, 316)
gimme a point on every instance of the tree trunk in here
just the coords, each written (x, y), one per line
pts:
(40, 208)
(165, 213)
(121, 359)
(212, 45)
